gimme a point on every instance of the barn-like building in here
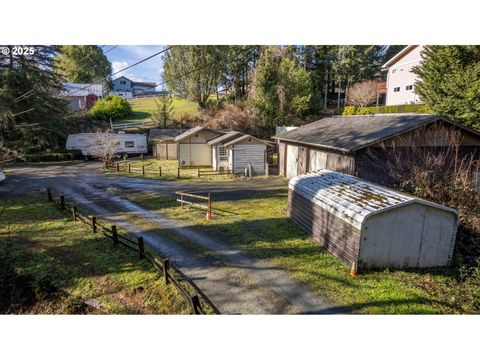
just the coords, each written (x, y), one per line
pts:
(361, 145)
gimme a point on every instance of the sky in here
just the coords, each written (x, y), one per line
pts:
(125, 55)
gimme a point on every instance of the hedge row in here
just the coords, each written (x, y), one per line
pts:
(392, 109)
(50, 157)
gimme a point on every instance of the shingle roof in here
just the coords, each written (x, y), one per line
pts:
(351, 133)
(196, 129)
(245, 137)
(224, 138)
(164, 134)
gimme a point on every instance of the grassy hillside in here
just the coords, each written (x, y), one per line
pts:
(143, 108)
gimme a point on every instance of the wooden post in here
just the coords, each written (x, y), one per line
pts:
(198, 172)
(129, 170)
(354, 269)
(141, 247)
(117, 167)
(209, 209)
(178, 173)
(181, 202)
(62, 202)
(160, 171)
(141, 156)
(74, 213)
(166, 269)
(195, 301)
(143, 169)
(94, 224)
(49, 194)
(114, 235)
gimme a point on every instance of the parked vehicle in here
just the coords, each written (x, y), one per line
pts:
(92, 144)
(2, 176)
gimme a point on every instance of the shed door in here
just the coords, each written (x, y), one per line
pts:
(302, 160)
(292, 160)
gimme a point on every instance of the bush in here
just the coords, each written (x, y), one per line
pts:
(231, 117)
(392, 109)
(51, 157)
(112, 106)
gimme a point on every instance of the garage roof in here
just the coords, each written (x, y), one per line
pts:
(350, 198)
(351, 133)
(195, 130)
(224, 138)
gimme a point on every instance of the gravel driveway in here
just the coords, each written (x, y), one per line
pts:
(236, 282)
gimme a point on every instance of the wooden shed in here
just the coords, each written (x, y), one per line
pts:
(370, 226)
(220, 152)
(163, 143)
(247, 150)
(362, 145)
(193, 148)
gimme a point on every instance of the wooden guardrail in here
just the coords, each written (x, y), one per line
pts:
(179, 172)
(170, 273)
(207, 207)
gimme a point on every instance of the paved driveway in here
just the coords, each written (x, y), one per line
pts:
(236, 282)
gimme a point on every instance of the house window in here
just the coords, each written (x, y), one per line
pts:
(129, 144)
(123, 82)
(409, 87)
(222, 153)
(394, 71)
(396, 89)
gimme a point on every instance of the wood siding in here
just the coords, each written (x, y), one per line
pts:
(282, 155)
(336, 235)
(163, 151)
(253, 153)
(194, 150)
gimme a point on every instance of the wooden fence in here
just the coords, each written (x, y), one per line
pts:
(179, 173)
(170, 273)
(207, 207)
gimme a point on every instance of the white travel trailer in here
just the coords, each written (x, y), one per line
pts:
(94, 144)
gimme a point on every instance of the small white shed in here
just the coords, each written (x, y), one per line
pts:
(370, 225)
(245, 150)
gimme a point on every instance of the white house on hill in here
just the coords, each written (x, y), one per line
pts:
(125, 85)
(400, 78)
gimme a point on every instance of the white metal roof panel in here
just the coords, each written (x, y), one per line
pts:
(350, 198)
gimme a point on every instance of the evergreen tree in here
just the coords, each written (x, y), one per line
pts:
(281, 90)
(194, 71)
(83, 64)
(164, 110)
(450, 81)
(32, 118)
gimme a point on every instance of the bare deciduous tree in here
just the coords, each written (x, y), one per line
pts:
(105, 145)
(363, 93)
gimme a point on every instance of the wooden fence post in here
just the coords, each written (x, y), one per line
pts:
(129, 170)
(114, 235)
(74, 213)
(178, 173)
(198, 172)
(181, 202)
(62, 202)
(141, 247)
(143, 169)
(94, 224)
(166, 269)
(160, 171)
(209, 209)
(141, 156)
(195, 301)
(118, 167)
(49, 194)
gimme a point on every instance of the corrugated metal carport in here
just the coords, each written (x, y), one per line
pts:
(370, 225)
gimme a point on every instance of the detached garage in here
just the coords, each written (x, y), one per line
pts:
(370, 226)
(193, 148)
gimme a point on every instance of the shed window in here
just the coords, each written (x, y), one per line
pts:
(396, 89)
(409, 87)
(394, 71)
(222, 153)
(123, 82)
(129, 144)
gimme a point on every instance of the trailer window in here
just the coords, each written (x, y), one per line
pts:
(129, 144)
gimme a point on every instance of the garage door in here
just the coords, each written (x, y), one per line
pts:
(292, 160)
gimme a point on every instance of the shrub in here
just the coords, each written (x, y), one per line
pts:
(231, 117)
(112, 106)
(391, 109)
(50, 157)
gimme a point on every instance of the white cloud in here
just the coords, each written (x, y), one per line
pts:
(118, 65)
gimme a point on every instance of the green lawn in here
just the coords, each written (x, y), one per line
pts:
(256, 222)
(169, 172)
(144, 107)
(51, 265)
